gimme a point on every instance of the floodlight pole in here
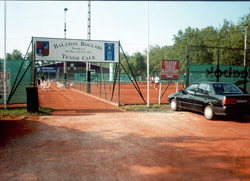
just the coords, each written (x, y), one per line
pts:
(89, 20)
(65, 63)
(5, 56)
(88, 65)
(245, 59)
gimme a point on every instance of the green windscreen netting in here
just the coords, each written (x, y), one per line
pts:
(96, 77)
(13, 66)
(233, 74)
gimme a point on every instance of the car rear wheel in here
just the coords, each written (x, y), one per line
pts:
(173, 105)
(209, 112)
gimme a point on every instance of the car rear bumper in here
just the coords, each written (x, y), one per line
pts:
(232, 110)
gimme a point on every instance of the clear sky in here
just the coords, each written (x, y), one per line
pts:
(114, 20)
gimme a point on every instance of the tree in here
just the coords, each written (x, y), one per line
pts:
(138, 64)
(29, 56)
(156, 54)
(15, 55)
(124, 62)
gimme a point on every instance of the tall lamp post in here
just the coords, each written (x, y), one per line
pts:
(88, 65)
(4, 61)
(245, 58)
(65, 63)
(148, 49)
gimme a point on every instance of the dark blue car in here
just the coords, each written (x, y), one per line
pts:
(211, 98)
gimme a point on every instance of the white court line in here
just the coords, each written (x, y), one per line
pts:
(98, 98)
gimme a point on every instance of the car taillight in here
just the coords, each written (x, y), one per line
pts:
(226, 101)
(229, 101)
(233, 100)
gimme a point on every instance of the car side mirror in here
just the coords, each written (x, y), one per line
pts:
(207, 92)
(182, 92)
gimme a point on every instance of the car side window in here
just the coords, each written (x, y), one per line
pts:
(208, 89)
(226, 88)
(204, 89)
(191, 89)
(219, 89)
(229, 88)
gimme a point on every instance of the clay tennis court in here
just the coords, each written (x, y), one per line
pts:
(88, 139)
(129, 94)
(69, 101)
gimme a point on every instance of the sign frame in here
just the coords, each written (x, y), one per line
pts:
(170, 69)
(75, 50)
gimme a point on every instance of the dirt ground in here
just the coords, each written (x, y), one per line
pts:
(88, 139)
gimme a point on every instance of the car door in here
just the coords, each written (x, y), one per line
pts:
(202, 96)
(188, 96)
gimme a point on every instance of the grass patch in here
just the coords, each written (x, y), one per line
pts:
(15, 112)
(144, 108)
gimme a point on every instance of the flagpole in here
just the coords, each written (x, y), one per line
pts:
(148, 56)
(4, 62)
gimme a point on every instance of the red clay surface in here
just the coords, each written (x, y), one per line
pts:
(72, 102)
(128, 93)
(87, 139)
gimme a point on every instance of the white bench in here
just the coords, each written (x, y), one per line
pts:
(59, 85)
(46, 86)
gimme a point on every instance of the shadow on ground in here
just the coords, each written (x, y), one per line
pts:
(85, 112)
(31, 150)
(237, 118)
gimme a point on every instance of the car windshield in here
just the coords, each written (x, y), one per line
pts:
(226, 89)
(191, 88)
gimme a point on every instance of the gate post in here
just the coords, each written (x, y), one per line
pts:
(88, 80)
(33, 64)
(218, 64)
(187, 68)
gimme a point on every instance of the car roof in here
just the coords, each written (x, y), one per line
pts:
(207, 82)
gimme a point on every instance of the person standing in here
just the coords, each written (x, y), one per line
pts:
(152, 81)
(157, 79)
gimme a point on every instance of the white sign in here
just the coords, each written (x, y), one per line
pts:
(7, 75)
(49, 49)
